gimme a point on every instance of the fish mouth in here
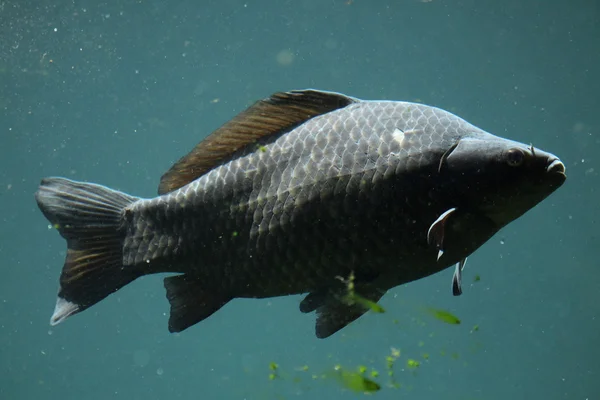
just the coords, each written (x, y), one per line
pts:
(557, 168)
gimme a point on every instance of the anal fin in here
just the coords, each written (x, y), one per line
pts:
(190, 301)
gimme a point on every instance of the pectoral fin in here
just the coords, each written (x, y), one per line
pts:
(317, 298)
(312, 301)
(337, 311)
(435, 234)
(457, 277)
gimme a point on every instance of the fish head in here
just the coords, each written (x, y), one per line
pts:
(500, 179)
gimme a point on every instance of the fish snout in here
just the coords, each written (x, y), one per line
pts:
(555, 170)
(555, 166)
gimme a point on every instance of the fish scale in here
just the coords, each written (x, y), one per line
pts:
(339, 132)
(290, 178)
(298, 194)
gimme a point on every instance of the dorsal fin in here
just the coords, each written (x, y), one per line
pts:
(280, 112)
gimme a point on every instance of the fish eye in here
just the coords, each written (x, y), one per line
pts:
(515, 157)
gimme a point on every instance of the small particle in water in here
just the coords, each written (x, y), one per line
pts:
(331, 44)
(141, 358)
(159, 371)
(50, 332)
(285, 57)
(501, 241)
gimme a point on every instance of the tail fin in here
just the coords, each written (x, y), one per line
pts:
(91, 218)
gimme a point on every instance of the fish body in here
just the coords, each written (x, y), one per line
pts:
(294, 195)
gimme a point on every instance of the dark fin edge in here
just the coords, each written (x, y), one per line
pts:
(279, 113)
(90, 218)
(190, 301)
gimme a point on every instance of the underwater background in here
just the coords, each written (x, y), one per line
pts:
(115, 92)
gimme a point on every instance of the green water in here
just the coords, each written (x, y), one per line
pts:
(115, 92)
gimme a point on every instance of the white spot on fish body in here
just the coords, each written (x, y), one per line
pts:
(398, 136)
(403, 137)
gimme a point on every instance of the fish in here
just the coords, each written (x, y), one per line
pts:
(295, 194)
